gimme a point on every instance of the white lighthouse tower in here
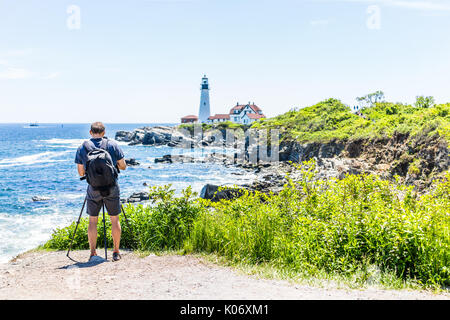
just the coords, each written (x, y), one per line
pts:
(204, 111)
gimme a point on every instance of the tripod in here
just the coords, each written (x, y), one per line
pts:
(104, 227)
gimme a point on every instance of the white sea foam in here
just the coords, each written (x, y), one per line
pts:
(71, 196)
(64, 143)
(24, 232)
(43, 157)
(38, 127)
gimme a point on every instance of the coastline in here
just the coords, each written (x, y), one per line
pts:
(393, 159)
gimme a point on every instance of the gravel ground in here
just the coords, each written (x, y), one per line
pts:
(51, 275)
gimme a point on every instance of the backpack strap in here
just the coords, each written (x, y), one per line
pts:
(104, 144)
(89, 146)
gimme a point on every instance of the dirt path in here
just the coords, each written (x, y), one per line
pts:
(51, 275)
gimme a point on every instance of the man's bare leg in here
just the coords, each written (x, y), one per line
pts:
(115, 232)
(92, 235)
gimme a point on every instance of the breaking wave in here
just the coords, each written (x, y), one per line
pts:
(43, 157)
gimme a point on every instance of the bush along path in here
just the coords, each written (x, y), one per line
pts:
(346, 228)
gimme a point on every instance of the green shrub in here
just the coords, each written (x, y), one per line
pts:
(337, 226)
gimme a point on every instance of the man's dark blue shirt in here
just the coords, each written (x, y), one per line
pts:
(113, 148)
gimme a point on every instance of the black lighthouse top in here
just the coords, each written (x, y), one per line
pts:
(205, 84)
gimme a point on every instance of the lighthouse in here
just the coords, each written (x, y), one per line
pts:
(204, 111)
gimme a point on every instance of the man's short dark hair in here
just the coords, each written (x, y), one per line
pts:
(97, 128)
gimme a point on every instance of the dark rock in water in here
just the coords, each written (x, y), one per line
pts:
(133, 143)
(165, 159)
(124, 136)
(40, 198)
(145, 184)
(168, 158)
(138, 197)
(131, 162)
(157, 136)
(212, 192)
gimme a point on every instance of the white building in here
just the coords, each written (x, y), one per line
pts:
(355, 109)
(219, 118)
(246, 114)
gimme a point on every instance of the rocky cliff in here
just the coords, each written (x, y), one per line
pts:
(417, 161)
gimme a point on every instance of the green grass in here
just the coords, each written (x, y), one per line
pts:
(360, 229)
(370, 277)
(331, 119)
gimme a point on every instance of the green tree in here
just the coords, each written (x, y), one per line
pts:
(371, 98)
(424, 102)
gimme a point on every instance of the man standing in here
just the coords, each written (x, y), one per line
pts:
(96, 198)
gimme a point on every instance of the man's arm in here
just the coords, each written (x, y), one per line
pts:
(81, 170)
(122, 164)
(79, 162)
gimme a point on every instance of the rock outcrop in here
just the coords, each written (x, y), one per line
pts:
(173, 137)
(40, 198)
(132, 162)
(155, 136)
(216, 193)
(418, 161)
(136, 197)
(169, 158)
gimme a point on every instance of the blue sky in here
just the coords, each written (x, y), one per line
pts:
(142, 61)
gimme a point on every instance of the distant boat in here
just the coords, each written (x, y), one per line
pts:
(34, 124)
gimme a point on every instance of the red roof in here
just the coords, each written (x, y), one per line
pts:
(255, 108)
(220, 116)
(190, 117)
(255, 116)
(236, 108)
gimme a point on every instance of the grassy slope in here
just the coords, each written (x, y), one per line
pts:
(331, 119)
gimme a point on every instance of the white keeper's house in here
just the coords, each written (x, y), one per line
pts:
(243, 114)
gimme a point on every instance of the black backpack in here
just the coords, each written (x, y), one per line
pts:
(101, 174)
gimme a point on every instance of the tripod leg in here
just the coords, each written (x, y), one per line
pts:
(78, 222)
(104, 232)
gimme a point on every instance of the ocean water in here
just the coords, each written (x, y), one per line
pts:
(39, 161)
